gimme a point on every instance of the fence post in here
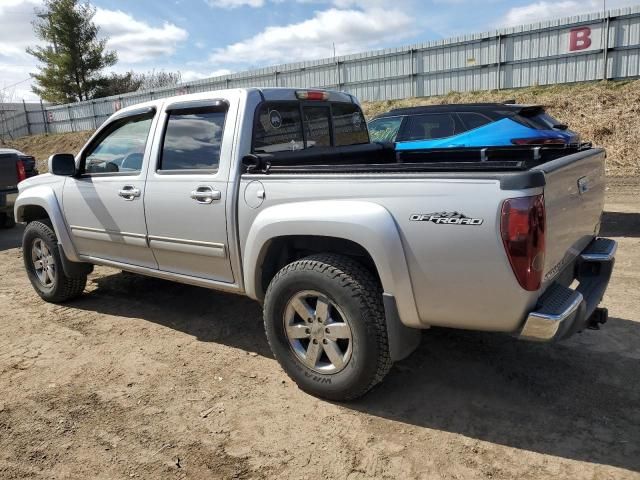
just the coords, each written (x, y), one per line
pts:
(605, 47)
(413, 81)
(44, 118)
(93, 110)
(70, 118)
(499, 61)
(26, 117)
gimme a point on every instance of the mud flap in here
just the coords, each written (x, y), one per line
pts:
(402, 339)
(74, 269)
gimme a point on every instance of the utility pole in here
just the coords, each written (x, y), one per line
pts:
(48, 17)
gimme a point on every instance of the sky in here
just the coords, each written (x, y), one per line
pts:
(204, 38)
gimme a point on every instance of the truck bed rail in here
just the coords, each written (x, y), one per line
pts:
(381, 157)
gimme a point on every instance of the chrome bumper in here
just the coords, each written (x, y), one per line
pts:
(561, 311)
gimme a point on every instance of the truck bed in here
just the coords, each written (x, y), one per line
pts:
(441, 256)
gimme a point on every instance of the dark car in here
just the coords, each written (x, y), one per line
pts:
(28, 161)
(470, 125)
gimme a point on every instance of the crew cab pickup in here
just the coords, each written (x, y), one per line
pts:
(351, 247)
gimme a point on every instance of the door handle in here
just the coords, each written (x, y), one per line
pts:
(129, 192)
(205, 194)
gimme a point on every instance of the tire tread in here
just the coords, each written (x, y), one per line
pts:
(363, 287)
(69, 287)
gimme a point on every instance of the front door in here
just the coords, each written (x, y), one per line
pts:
(104, 205)
(186, 193)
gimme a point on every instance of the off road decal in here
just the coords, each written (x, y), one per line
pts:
(446, 218)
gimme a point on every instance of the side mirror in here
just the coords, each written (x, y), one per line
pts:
(62, 164)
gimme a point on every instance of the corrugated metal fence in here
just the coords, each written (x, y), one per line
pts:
(597, 46)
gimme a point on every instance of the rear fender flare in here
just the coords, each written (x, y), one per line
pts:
(365, 223)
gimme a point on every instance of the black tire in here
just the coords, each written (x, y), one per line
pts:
(62, 288)
(358, 296)
(7, 221)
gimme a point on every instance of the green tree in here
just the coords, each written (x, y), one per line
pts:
(73, 58)
(117, 84)
(159, 79)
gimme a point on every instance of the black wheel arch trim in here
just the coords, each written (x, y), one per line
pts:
(73, 269)
(402, 340)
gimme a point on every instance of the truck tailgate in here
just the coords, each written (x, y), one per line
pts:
(574, 200)
(8, 171)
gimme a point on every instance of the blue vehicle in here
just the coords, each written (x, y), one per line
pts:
(470, 125)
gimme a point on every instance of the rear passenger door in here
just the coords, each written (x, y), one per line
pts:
(186, 191)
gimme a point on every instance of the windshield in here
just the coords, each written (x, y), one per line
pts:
(384, 129)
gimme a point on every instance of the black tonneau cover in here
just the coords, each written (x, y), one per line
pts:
(379, 157)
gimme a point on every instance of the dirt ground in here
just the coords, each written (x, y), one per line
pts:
(142, 378)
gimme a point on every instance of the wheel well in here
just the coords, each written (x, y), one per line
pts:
(284, 250)
(33, 212)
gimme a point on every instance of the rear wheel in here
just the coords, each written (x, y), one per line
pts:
(43, 264)
(325, 324)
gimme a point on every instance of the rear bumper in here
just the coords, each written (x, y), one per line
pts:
(562, 311)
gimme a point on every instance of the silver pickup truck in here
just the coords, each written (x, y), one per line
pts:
(351, 247)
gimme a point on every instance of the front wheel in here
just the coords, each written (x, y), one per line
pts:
(325, 324)
(43, 264)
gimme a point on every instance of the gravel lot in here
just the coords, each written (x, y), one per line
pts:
(142, 378)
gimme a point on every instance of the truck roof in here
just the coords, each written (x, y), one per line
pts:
(267, 94)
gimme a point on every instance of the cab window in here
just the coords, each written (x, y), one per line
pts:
(192, 140)
(278, 128)
(349, 125)
(121, 148)
(288, 126)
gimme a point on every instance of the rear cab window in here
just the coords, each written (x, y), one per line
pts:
(289, 126)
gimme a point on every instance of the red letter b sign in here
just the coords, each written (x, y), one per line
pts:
(579, 38)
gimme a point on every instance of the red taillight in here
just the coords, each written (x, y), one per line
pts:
(22, 174)
(538, 141)
(522, 226)
(311, 95)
